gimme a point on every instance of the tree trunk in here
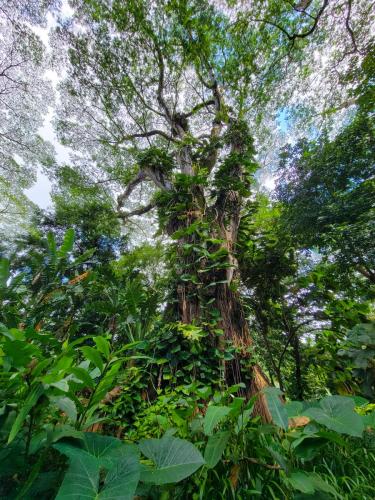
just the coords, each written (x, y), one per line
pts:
(213, 277)
(297, 361)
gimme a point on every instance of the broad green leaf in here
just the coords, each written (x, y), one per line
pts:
(215, 447)
(309, 482)
(12, 334)
(4, 271)
(276, 407)
(51, 242)
(337, 413)
(174, 459)
(31, 400)
(300, 481)
(21, 352)
(93, 355)
(123, 477)
(243, 419)
(52, 434)
(214, 415)
(82, 375)
(81, 480)
(89, 457)
(103, 346)
(67, 244)
(294, 408)
(106, 383)
(307, 447)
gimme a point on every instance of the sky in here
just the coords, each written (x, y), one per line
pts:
(40, 192)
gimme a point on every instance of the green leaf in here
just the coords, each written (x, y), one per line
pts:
(276, 407)
(122, 479)
(89, 457)
(31, 401)
(106, 383)
(337, 413)
(309, 482)
(300, 481)
(243, 419)
(82, 375)
(81, 480)
(4, 271)
(174, 459)
(215, 447)
(51, 242)
(214, 415)
(103, 346)
(294, 408)
(93, 355)
(67, 244)
(66, 405)
(20, 351)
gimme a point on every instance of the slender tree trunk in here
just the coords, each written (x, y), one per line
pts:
(298, 372)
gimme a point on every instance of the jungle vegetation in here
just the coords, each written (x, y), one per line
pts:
(192, 315)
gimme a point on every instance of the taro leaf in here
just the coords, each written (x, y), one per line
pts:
(105, 449)
(82, 479)
(337, 413)
(30, 402)
(294, 408)
(308, 447)
(215, 447)
(276, 407)
(213, 416)
(122, 479)
(174, 458)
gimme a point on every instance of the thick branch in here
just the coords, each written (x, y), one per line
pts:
(129, 189)
(348, 27)
(160, 90)
(198, 107)
(149, 133)
(138, 211)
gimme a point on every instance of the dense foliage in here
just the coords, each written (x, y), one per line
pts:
(168, 328)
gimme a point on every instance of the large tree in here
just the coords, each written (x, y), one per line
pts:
(167, 95)
(25, 96)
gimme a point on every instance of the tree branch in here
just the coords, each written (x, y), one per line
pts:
(138, 211)
(129, 189)
(198, 107)
(348, 27)
(294, 36)
(160, 96)
(149, 133)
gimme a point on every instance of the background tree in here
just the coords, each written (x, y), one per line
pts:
(25, 97)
